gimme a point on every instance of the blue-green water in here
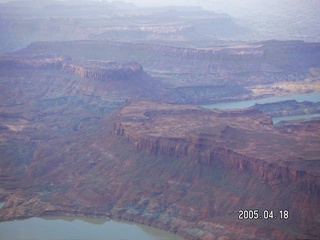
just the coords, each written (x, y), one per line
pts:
(1, 204)
(79, 229)
(311, 97)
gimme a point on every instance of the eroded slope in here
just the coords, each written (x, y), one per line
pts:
(176, 167)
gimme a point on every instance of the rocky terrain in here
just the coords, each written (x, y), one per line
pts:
(176, 167)
(236, 141)
(73, 144)
(99, 116)
(112, 81)
(207, 75)
(98, 70)
(24, 22)
(289, 108)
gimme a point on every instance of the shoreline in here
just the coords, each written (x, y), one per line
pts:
(105, 217)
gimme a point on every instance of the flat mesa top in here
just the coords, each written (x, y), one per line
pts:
(109, 65)
(247, 132)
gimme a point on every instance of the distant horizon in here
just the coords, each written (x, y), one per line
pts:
(234, 7)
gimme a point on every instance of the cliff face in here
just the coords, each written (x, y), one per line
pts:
(211, 74)
(273, 57)
(99, 70)
(243, 142)
(176, 167)
(115, 81)
(104, 70)
(36, 62)
(211, 137)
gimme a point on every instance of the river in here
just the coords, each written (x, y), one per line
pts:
(311, 97)
(79, 229)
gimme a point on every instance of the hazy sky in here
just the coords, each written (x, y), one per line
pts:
(240, 8)
(235, 7)
(217, 5)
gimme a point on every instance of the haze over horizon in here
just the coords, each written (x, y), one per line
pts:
(234, 7)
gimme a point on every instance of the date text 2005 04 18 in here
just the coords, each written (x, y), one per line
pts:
(266, 214)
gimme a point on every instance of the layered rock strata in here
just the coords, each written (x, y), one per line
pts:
(243, 141)
(105, 70)
(176, 167)
(209, 74)
(99, 70)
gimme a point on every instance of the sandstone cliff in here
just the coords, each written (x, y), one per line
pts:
(270, 57)
(105, 70)
(243, 142)
(100, 70)
(209, 74)
(115, 81)
(36, 62)
(175, 167)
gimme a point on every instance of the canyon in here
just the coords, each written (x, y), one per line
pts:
(203, 76)
(104, 137)
(24, 22)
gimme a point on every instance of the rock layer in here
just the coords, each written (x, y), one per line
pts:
(100, 70)
(176, 167)
(105, 70)
(242, 141)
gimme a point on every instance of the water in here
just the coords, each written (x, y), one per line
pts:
(276, 120)
(93, 229)
(311, 97)
(79, 229)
